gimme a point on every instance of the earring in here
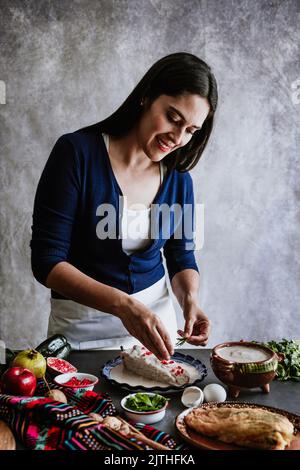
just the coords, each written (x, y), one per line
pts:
(142, 103)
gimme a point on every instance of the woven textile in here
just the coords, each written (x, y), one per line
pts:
(41, 423)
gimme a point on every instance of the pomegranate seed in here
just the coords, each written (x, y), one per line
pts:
(74, 382)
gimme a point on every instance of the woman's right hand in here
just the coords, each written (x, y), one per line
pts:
(145, 326)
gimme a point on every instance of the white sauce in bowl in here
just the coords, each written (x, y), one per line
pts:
(242, 354)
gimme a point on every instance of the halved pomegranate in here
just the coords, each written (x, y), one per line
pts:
(59, 366)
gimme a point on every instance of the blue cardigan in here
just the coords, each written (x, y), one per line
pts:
(77, 178)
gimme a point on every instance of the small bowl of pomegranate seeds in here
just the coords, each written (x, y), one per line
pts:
(76, 380)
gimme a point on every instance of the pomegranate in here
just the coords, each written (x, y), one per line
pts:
(59, 366)
(32, 360)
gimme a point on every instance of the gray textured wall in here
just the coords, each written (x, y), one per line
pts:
(67, 64)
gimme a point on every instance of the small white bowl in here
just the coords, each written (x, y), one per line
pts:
(146, 417)
(192, 396)
(61, 380)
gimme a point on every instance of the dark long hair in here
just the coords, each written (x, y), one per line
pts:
(173, 75)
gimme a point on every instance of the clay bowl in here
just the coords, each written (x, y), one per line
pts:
(233, 365)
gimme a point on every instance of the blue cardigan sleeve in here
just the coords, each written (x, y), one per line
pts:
(55, 206)
(179, 248)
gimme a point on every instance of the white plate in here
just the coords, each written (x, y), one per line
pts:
(116, 374)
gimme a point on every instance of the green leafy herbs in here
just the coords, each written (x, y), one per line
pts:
(145, 402)
(181, 340)
(289, 368)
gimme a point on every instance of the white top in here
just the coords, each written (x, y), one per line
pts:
(135, 224)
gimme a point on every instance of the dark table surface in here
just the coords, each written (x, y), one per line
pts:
(284, 395)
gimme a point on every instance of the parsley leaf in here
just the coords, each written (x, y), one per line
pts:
(289, 368)
(145, 402)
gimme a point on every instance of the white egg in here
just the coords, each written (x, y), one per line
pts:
(192, 396)
(214, 392)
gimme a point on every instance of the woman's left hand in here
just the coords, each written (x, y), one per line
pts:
(197, 325)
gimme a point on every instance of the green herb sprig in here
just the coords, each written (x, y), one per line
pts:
(145, 402)
(289, 368)
(181, 340)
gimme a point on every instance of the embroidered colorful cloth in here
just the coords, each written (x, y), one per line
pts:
(41, 423)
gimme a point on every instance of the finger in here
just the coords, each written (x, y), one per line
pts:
(198, 339)
(145, 340)
(201, 329)
(157, 335)
(166, 339)
(188, 328)
(203, 335)
(155, 344)
(151, 346)
(162, 353)
(145, 335)
(163, 340)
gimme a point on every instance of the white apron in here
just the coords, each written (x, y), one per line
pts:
(88, 328)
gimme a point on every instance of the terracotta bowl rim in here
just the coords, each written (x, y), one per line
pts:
(273, 355)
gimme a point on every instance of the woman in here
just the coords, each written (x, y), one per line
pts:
(109, 289)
